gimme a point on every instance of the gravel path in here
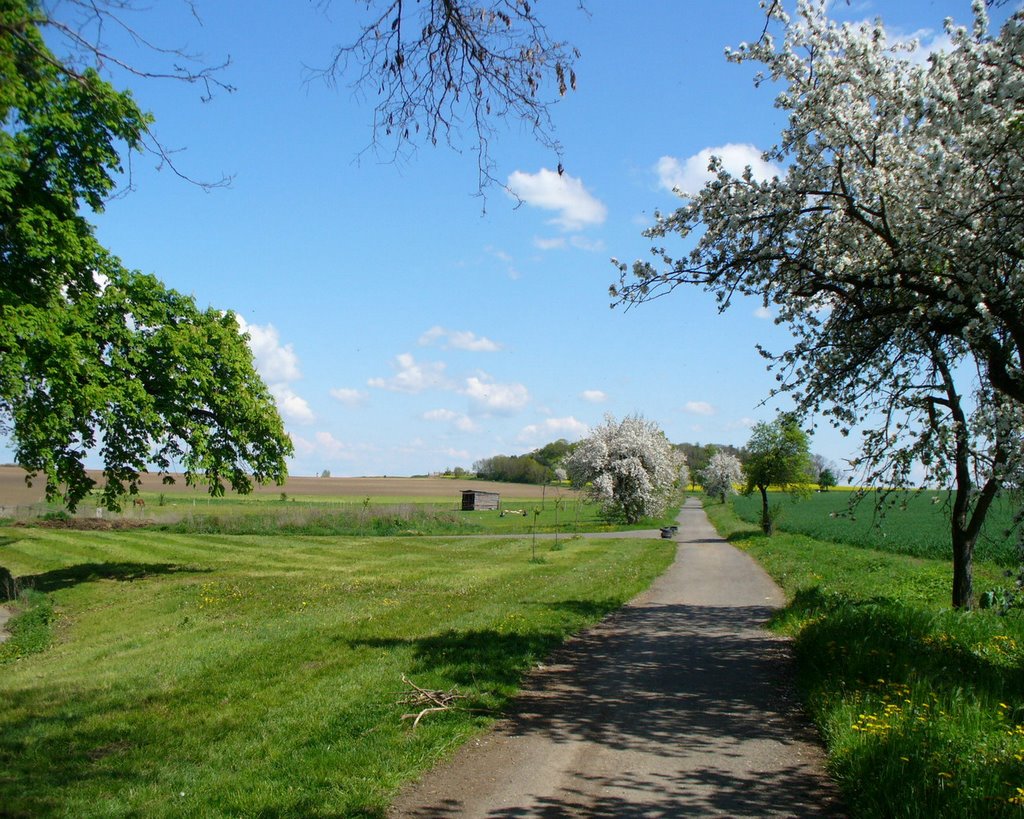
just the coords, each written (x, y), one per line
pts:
(680, 704)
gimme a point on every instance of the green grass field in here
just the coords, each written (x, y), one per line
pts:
(913, 523)
(394, 517)
(166, 674)
(921, 707)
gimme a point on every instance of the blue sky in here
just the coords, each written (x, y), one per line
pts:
(404, 324)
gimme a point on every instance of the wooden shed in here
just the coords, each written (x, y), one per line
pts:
(475, 500)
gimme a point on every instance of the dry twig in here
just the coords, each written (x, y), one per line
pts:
(432, 700)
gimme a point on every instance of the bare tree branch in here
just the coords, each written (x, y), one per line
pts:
(81, 32)
(453, 71)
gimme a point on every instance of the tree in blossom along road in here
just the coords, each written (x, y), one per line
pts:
(720, 476)
(630, 466)
(891, 243)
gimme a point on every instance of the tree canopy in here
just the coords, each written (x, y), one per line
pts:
(629, 466)
(721, 475)
(777, 454)
(890, 243)
(95, 358)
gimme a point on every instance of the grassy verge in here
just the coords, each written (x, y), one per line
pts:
(922, 708)
(399, 519)
(250, 675)
(260, 515)
(30, 628)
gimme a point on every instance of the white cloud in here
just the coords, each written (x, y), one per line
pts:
(302, 446)
(927, 41)
(277, 365)
(459, 340)
(293, 407)
(590, 245)
(506, 259)
(417, 446)
(763, 312)
(594, 396)
(330, 447)
(274, 361)
(350, 397)
(699, 408)
(569, 427)
(557, 243)
(565, 194)
(412, 377)
(690, 175)
(501, 398)
(460, 421)
(578, 242)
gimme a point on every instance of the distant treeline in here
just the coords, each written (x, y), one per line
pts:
(698, 455)
(543, 465)
(540, 466)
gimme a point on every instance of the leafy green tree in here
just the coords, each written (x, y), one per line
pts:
(776, 455)
(826, 479)
(552, 455)
(95, 358)
(512, 469)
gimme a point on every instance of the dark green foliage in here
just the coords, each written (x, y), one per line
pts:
(551, 455)
(777, 454)
(94, 357)
(535, 467)
(513, 469)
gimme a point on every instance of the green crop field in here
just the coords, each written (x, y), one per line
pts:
(912, 523)
(157, 673)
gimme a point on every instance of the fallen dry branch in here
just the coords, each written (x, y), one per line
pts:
(432, 700)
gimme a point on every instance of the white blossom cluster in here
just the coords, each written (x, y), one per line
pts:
(720, 476)
(892, 247)
(629, 466)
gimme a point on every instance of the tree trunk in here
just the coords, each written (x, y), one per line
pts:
(963, 568)
(766, 519)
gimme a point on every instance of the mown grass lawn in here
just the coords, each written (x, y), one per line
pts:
(565, 515)
(258, 675)
(921, 707)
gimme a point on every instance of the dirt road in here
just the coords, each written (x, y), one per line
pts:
(680, 704)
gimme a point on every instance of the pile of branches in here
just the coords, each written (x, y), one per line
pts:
(429, 701)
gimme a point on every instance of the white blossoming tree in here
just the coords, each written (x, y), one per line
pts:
(892, 247)
(629, 466)
(720, 476)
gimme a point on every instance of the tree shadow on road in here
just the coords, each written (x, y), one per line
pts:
(689, 684)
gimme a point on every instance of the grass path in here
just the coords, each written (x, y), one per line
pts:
(245, 675)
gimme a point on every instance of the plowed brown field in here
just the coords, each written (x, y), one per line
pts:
(13, 490)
